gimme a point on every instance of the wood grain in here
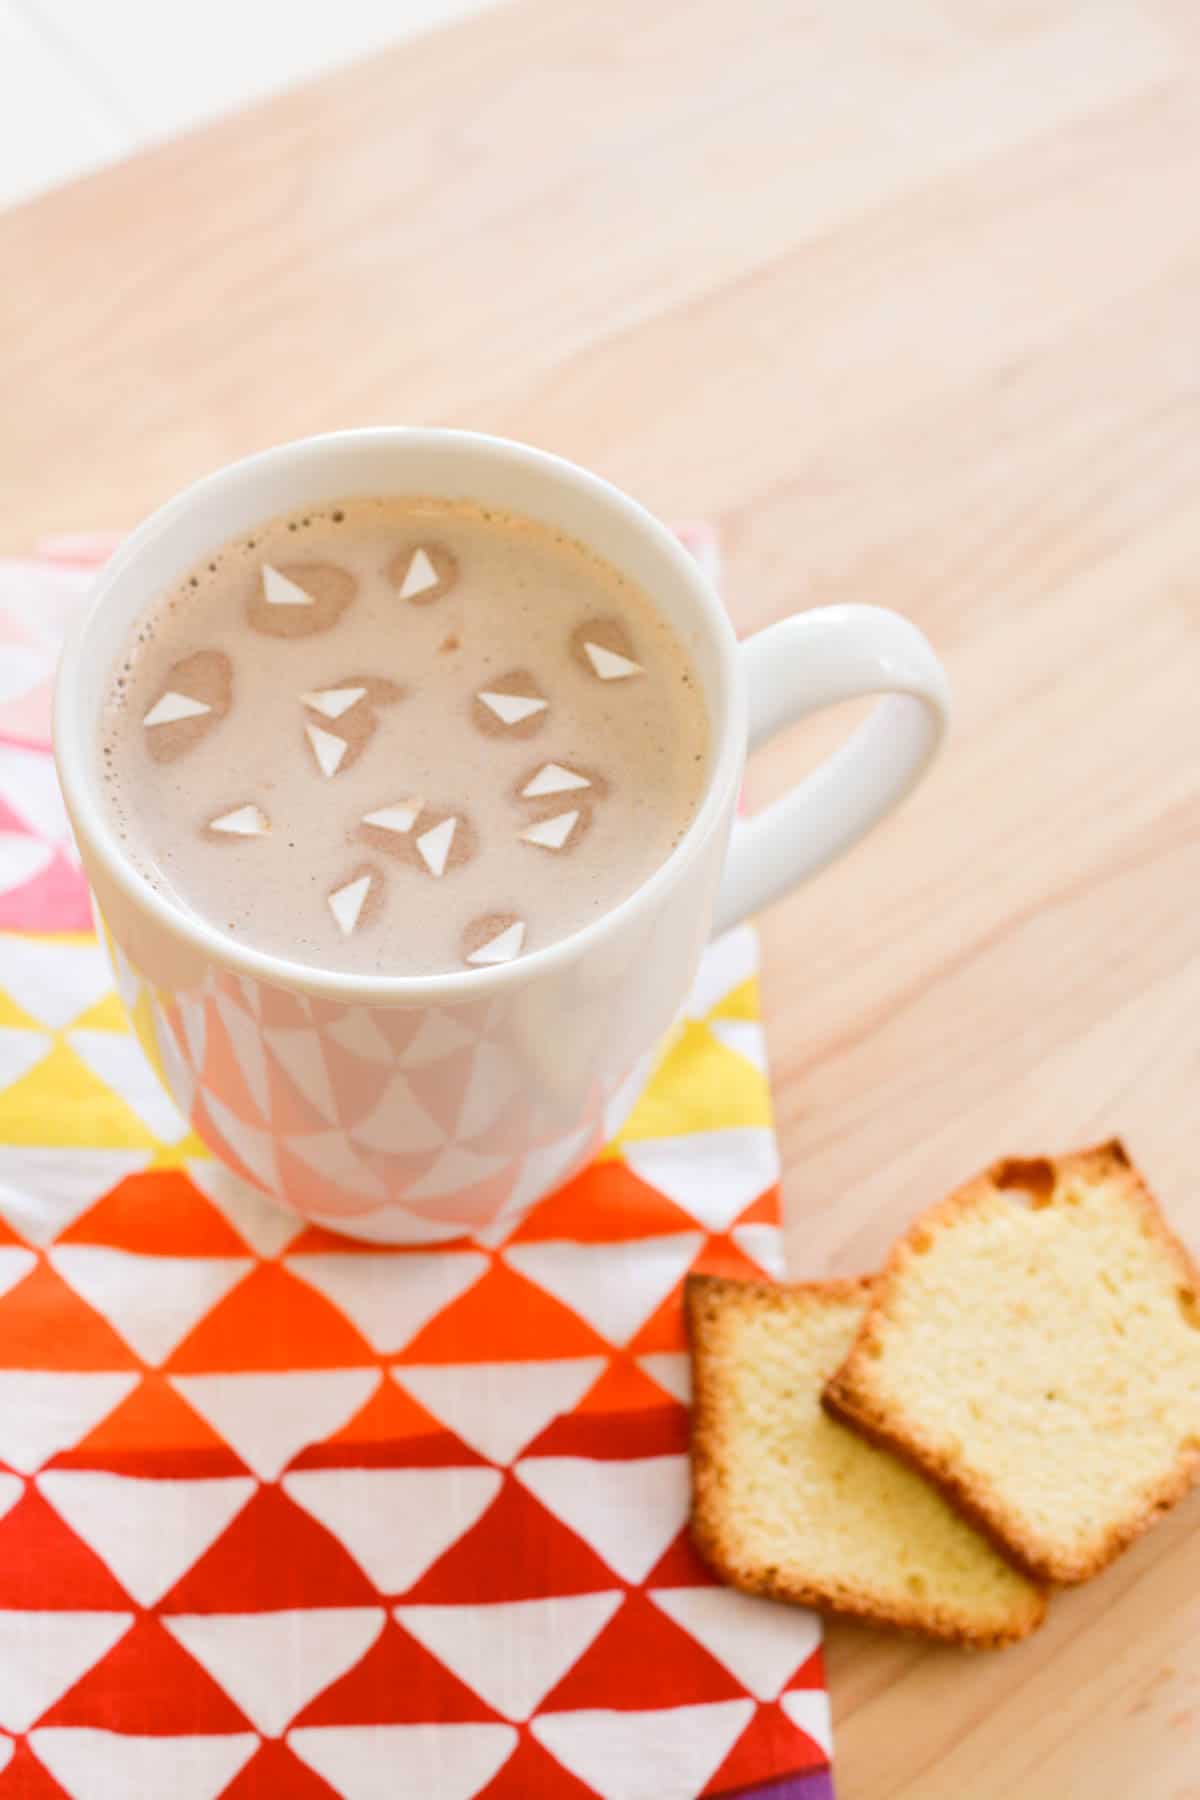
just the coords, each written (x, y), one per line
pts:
(906, 300)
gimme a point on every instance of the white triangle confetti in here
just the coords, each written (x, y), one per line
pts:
(510, 709)
(42, 1411)
(758, 1641)
(808, 1708)
(268, 1418)
(346, 903)
(361, 1762)
(388, 1299)
(435, 843)
(280, 591)
(661, 1755)
(614, 1286)
(363, 1509)
(94, 1764)
(42, 1654)
(400, 817)
(271, 1664)
(150, 1301)
(327, 749)
(553, 778)
(148, 1531)
(173, 707)
(608, 665)
(243, 821)
(503, 947)
(627, 1511)
(421, 576)
(498, 1408)
(512, 1652)
(333, 702)
(553, 833)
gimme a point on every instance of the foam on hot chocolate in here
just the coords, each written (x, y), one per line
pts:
(402, 736)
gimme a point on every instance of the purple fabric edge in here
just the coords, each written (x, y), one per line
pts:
(812, 1784)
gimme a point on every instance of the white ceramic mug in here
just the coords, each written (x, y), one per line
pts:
(441, 1103)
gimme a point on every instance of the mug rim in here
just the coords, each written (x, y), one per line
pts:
(78, 769)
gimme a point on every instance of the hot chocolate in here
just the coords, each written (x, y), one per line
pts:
(402, 737)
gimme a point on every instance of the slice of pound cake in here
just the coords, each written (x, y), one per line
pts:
(788, 1503)
(1033, 1345)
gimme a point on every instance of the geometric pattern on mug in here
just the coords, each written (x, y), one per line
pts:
(282, 1514)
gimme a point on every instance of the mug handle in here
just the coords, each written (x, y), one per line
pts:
(795, 668)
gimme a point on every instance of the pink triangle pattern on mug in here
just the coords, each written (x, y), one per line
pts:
(283, 1514)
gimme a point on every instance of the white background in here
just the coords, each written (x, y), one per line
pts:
(83, 82)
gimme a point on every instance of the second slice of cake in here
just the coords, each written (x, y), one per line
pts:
(788, 1503)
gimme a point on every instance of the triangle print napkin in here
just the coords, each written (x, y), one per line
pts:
(286, 1518)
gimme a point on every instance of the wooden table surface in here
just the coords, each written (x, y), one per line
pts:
(906, 298)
